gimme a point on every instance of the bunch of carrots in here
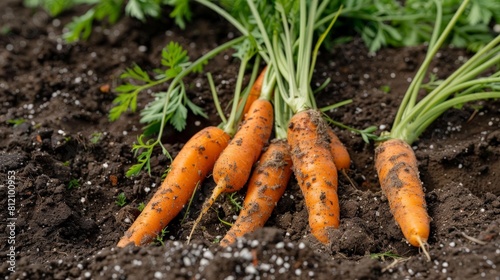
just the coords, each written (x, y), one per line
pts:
(303, 141)
(241, 153)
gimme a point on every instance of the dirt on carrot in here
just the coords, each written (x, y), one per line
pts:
(315, 171)
(189, 168)
(397, 168)
(232, 169)
(265, 187)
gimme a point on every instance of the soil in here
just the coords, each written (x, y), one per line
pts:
(71, 233)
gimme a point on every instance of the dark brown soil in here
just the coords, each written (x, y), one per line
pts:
(63, 233)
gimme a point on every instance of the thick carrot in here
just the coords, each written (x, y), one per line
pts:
(189, 168)
(265, 187)
(340, 154)
(315, 171)
(255, 91)
(397, 169)
(232, 169)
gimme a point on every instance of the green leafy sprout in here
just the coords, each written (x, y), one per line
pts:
(234, 201)
(95, 137)
(159, 239)
(121, 199)
(16, 122)
(73, 184)
(382, 256)
(141, 206)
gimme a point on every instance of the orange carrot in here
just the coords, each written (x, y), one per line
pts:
(232, 169)
(265, 187)
(315, 171)
(189, 168)
(255, 91)
(397, 169)
(340, 154)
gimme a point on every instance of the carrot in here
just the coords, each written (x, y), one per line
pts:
(255, 91)
(189, 168)
(232, 169)
(315, 171)
(339, 152)
(265, 187)
(395, 160)
(397, 169)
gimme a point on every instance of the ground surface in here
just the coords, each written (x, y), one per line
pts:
(66, 233)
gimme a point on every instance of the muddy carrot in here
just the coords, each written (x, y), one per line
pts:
(307, 134)
(265, 187)
(189, 168)
(395, 160)
(397, 169)
(233, 168)
(315, 171)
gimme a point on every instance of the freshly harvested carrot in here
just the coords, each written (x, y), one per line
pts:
(255, 91)
(395, 160)
(189, 168)
(265, 187)
(315, 171)
(397, 169)
(339, 152)
(232, 169)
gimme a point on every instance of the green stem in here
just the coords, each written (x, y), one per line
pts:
(419, 126)
(234, 118)
(410, 96)
(269, 47)
(268, 83)
(226, 15)
(216, 99)
(462, 75)
(320, 41)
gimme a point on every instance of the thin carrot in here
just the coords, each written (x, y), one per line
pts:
(395, 160)
(232, 169)
(255, 91)
(190, 166)
(315, 171)
(397, 169)
(265, 187)
(339, 152)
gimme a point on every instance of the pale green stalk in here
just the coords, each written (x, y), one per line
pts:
(410, 97)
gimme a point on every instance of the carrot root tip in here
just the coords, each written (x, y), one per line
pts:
(423, 246)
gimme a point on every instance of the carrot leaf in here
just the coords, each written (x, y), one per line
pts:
(181, 12)
(140, 9)
(171, 106)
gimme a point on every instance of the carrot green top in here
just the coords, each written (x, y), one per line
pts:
(462, 86)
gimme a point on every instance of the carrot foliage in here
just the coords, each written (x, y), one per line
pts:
(379, 23)
(471, 82)
(170, 106)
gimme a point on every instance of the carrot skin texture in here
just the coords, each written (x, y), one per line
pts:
(234, 166)
(397, 169)
(341, 156)
(232, 169)
(193, 163)
(315, 171)
(265, 188)
(255, 90)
